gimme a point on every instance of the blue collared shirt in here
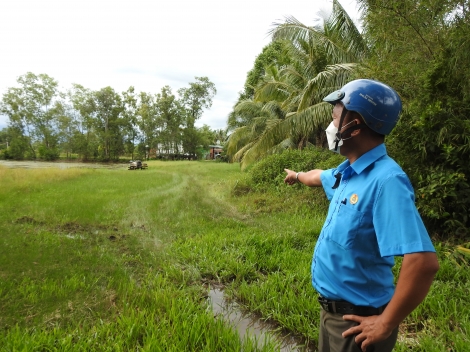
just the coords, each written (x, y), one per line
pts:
(372, 218)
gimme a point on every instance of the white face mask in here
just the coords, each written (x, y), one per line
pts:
(331, 132)
(331, 137)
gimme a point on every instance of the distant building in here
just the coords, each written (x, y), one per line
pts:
(214, 151)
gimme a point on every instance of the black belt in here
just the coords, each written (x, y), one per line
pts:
(343, 307)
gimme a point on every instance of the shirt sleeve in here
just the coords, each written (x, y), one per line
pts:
(398, 225)
(328, 180)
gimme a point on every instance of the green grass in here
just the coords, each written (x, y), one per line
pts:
(117, 260)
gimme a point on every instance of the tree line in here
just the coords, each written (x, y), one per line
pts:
(418, 48)
(102, 125)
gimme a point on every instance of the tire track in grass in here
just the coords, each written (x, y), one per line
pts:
(145, 223)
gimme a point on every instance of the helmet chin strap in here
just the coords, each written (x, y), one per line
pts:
(351, 130)
(338, 134)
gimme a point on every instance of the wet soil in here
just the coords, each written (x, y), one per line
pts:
(249, 325)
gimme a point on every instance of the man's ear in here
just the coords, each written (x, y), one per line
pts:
(358, 131)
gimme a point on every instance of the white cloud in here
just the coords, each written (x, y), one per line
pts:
(143, 43)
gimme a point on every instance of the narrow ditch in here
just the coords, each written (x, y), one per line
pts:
(248, 325)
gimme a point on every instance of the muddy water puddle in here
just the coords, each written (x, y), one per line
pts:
(57, 165)
(250, 326)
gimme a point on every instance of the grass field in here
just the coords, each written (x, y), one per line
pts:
(117, 260)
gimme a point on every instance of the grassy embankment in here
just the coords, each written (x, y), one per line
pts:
(111, 260)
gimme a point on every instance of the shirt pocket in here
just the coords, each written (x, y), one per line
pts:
(345, 226)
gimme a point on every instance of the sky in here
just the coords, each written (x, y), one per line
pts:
(143, 43)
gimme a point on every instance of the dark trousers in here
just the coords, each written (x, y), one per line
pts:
(332, 326)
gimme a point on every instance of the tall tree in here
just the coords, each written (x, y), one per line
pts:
(65, 126)
(196, 98)
(421, 49)
(85, 141)
(220, 136)
(31, 111)
(272, 54)
(146, 121)
(13, 143)
(206, 137)
(129, 114)
(255, 119)
(20, 127)
(322, 59)
(4, 139)
(108, 123)
(170, 121)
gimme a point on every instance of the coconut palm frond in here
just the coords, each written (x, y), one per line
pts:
(274, 90)
(299, 124)
(275, 131)
(236, 139)
(351, 36)
(243, 113)
(295, 79)
(292, 29)
(333, 77)
(248, 107)
(258, 126)
(336, 76)
(274, 109)
(232, 121)
(272, 71)
(240, 155)
(252, 155)
(287, 143)
(322, 58)
(338, 37)
(307, 121)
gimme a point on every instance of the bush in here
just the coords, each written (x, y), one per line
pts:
(271, 169)
(432, 75)
(48, 154)
(431, 144)
(265, 180)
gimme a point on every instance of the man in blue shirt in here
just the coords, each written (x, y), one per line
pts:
(372, 218)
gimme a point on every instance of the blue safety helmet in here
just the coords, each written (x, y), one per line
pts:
(378, 104)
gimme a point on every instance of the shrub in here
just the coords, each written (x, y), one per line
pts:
(265, 180)
(49, 154)
(271, 169)
(431, 144)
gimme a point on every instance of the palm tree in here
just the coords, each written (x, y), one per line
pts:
(220, 136)
(247, 122)
(323, 58)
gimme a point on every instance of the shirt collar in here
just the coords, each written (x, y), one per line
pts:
(363, 162)
(368, 158)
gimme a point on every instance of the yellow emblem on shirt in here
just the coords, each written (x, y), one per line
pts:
(354, 198)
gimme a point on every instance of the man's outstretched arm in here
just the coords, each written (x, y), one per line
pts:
(310, 178)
